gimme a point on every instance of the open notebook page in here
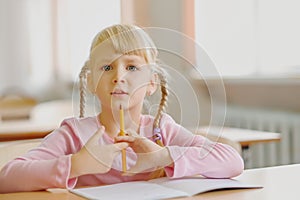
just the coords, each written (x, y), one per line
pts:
(137, 190)
(197, 185)
(161, 188)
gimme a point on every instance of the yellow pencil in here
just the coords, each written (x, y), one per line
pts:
(122, 133)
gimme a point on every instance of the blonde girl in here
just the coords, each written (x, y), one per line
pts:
(121, 71)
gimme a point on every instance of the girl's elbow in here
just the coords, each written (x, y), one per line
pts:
(235, 168)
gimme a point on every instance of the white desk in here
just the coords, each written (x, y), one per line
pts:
(278, 183)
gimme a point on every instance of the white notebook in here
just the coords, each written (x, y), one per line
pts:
(162, 188)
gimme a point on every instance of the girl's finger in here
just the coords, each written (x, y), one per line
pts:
(132, 133)
(120, 146)
(124, 139)
(127, 174)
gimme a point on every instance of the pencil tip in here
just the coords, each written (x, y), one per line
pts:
(120, 106)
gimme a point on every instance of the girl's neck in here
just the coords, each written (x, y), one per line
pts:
(110, 119)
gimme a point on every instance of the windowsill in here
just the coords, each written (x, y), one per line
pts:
(264, 80)
(271, 92)
(280, 79)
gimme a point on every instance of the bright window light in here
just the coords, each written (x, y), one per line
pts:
(250, 37)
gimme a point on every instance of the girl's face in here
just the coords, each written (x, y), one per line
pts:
(119, 79)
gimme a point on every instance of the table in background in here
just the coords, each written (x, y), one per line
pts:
(44, 118)
(244, 137)
(25, 129)
(279, 182)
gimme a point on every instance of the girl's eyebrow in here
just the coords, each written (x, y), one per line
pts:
(110, 60)
(104, 61)
(133, 58)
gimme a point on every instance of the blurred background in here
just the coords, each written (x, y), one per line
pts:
(250, 77)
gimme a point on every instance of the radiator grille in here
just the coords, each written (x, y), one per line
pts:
(287, 151)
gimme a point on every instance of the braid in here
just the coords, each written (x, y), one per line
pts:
(156, 129)
(83, 88)
(162, 106)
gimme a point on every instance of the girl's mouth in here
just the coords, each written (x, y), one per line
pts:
(118, 92)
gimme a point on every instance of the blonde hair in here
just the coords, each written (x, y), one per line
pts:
(130, 39)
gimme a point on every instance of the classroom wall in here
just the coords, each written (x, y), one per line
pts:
(170, 14)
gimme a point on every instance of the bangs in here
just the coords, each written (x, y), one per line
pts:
(127, 39)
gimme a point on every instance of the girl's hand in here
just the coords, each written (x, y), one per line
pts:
(95, 158)
(150, 156)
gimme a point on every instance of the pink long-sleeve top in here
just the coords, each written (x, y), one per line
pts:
(49, 165)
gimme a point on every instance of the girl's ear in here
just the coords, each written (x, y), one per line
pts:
(152, 87)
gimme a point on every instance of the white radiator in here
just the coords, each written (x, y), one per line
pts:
(287, 151)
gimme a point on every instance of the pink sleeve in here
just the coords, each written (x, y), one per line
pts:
(47, 166)
(20, 175)
(194, 154)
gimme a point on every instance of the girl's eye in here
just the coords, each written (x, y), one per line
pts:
(107, 68)
(132, 68)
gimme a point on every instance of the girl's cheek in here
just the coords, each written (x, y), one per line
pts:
(101, 78)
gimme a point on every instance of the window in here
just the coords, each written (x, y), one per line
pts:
(47, 42)
(250, 37)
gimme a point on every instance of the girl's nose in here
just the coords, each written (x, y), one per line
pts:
(118, 80)
(119, 76)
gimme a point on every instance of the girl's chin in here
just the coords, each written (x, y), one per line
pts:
(117, 103)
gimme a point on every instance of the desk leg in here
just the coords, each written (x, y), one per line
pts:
(246, 154)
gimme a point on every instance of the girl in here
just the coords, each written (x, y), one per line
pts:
(121, 71)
